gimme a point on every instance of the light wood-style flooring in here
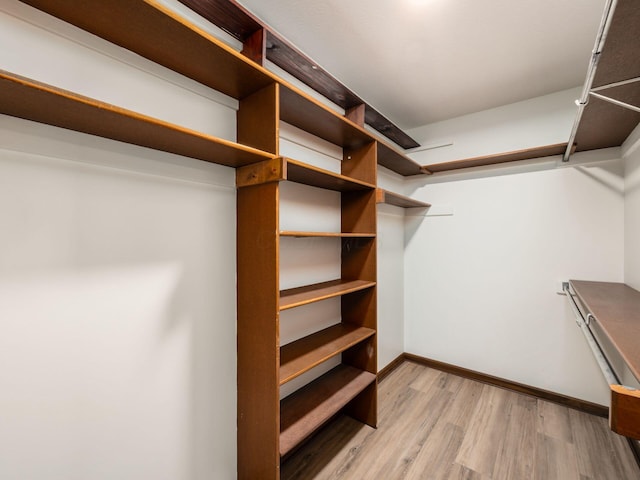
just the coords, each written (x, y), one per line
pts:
(434, 425)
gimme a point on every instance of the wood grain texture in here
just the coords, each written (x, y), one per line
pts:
(358, 212)
(306, 113)
(428, 421)
(290, 59)
(31, 100)
(396, 161)
(571, 402)
(254, 46)
(258, 332)
(305, 174)
(304, 354)
(266, 171)
(241, 24)
(307, 409)
(229, 15)
(498, 158)
(390, 198)
(356, 114)
(157, 33)
(258, 119)
(290, 233)
(616, 308)
(625, 411)
(296, 297)
(361, 163)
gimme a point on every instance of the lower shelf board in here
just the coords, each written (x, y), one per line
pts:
(306, 410)
(304, 354)
(296, 297)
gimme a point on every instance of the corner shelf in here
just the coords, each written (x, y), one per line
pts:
(390, 198)
(306, 410)
(296, 297)
(154, 32)
(31, 100)
(304, 354)
(499, 158)
(398, 162)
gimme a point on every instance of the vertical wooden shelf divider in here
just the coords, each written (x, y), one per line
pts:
(359, 260)
(258, 298)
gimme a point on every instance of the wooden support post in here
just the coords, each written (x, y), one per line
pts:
(254, 46)
(356, 114)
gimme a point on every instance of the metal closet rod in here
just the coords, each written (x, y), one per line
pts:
(603, 30)
(603, 363)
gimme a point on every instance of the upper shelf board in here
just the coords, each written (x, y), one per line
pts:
(157, 33)
(24, 98)
(390, 198)
(498, 158)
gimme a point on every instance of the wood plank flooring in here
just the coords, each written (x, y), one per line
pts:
(434, 425)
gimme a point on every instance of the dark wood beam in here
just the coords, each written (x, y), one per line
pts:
(234, 19)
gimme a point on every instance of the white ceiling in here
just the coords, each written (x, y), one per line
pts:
(421, 61)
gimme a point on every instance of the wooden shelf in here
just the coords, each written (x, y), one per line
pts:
(398, 162)
(288, 233)
(160, 35)
(309, 408)
(304, 354)
(306, 113)
(31, 100)
(155, 32)
(616, 308)
(238, 22)
(296, 297)
(498, 158)
(303, 173)
(280, 169)
(390, 198)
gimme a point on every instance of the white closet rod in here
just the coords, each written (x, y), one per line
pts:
(603, 363)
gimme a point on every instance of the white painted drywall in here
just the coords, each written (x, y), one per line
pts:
(631, 155)
(480, 285)
(545, 120)
(117, 267)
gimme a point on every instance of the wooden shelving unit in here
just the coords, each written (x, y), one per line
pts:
(263, 364)
(296, 297)
(304, 354)
(499, 158)
(268, 428)
(31, 100)
(303, 414)
(153, 31)
(390, 198)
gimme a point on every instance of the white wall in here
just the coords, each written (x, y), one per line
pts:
(480, 284)
(117, 299)
(631, 155)
(531, 123)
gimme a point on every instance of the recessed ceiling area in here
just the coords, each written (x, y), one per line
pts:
(422, 61)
